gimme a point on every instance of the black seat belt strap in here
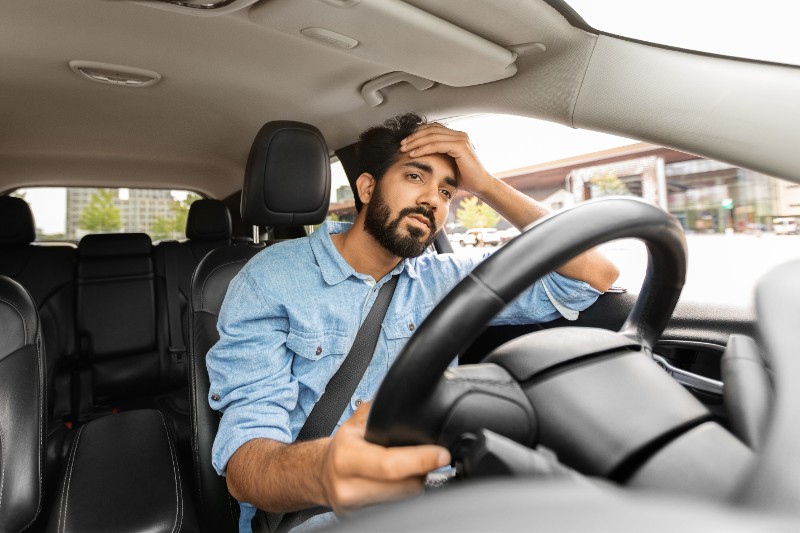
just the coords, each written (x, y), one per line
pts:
(176, 346)
(329, 408)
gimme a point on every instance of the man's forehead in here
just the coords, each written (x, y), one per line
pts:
(440, 164)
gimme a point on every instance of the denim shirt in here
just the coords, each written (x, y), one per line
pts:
(292, 312)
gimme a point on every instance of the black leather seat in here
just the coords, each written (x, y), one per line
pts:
(119, 346)
(22, 402)
(208, 227)
(48, 273)
(123, 475)
(287, 183)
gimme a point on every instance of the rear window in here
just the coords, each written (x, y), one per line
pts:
(69, 213)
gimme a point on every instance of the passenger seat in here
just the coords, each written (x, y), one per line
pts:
(48, 273)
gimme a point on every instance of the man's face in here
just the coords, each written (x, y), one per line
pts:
(409, 205)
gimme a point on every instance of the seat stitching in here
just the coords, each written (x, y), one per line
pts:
(176, 475)
(62, 521)
(3, 470)
(195, 422)
(21, 316)
(42, 422)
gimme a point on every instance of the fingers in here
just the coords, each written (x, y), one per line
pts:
(363, 459)
(371, 461)
(431, 134)
(357, 473)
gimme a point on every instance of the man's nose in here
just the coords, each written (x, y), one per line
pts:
(429, 198)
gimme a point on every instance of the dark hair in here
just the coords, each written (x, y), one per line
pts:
(378, 147)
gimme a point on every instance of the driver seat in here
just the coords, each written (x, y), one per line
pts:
(287, 182)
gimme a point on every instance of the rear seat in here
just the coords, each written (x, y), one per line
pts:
(120, 355)
(104, 313)
(208, 227)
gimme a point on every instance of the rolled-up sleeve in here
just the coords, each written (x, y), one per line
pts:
(551, 297)
(249, 370)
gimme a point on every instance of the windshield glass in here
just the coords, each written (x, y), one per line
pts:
(764, 31)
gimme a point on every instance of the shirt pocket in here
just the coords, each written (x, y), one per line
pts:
(398, 332)
(317, 356)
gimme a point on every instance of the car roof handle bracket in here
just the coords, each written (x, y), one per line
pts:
(371, 91)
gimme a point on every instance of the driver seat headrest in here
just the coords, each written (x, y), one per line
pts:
(288, 176)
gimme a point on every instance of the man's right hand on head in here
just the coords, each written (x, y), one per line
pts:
(356, 473)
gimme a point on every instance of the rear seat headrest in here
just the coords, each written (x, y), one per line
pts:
(288, 176)
(208, 220)
(16, 222)
(114, 244)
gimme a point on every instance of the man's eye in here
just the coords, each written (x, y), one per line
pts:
(447, 194)
(415, 177)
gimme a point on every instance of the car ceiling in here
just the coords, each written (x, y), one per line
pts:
(224, 76)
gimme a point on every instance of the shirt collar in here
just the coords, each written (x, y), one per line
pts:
(332, 265)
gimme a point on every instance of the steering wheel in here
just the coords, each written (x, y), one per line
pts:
(417, 405)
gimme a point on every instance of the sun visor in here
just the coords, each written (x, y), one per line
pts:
(400, 37)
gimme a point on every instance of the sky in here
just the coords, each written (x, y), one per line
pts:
(764, 29)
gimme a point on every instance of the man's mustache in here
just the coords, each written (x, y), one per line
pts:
(419, 210)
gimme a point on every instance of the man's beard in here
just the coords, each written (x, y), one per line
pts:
(387, 232)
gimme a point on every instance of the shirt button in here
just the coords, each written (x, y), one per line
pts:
(319, 350)
(411, 327)
(215, 397)
(359, 402)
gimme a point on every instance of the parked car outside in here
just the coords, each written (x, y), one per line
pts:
(784, 226)
(482, 237)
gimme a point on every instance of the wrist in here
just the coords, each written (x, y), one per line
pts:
(483, 189)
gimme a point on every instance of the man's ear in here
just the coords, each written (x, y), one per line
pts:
(365, 185)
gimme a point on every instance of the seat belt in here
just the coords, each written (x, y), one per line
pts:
(177, 349)
(329, 408)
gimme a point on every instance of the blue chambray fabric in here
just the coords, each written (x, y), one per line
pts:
(291, 314)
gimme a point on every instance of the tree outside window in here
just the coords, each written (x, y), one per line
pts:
(101, 214)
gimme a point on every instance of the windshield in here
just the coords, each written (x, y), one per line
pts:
(764, 31)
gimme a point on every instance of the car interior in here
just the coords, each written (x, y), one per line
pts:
(648, 412)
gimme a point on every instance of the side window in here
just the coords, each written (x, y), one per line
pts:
(69, 213)
(343, 206)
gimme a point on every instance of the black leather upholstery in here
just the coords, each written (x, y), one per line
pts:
(22, 401)
(208, 220)
(288, 176)
(123, 476)
(48, 273)
(208, 226)
(16, 222)
(287, 182)
(117, 315)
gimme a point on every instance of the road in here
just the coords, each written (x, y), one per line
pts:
(722, 268)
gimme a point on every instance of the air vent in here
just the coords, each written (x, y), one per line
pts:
(119, 75)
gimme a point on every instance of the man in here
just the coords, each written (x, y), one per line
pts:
(289, 319)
